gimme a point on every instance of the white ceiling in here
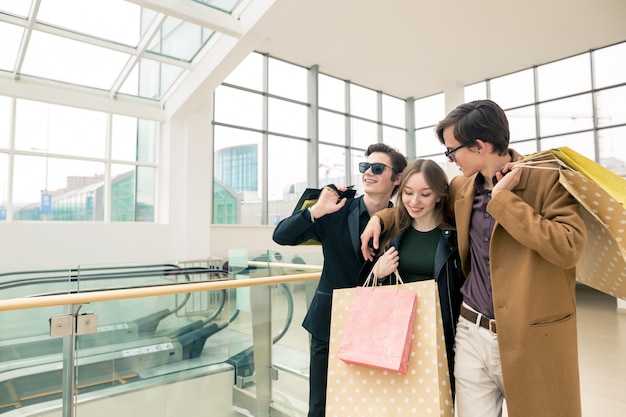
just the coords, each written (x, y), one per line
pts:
(414, 48)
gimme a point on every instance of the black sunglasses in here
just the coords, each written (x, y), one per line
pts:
(450, 152)
(377, 168)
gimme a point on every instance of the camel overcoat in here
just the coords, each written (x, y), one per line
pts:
(538, 238)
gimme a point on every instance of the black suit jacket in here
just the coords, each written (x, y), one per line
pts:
(339, 234)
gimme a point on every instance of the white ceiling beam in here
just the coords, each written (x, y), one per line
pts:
(196, 13)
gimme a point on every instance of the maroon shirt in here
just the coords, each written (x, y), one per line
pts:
(477, 288)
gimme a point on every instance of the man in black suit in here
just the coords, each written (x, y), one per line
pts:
(337, 224)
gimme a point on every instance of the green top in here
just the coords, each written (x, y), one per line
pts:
(417, 254)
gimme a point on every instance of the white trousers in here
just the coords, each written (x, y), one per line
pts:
(479, 387)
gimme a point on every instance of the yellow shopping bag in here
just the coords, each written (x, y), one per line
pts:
(602, 197)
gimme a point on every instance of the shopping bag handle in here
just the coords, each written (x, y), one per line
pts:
(372, 277)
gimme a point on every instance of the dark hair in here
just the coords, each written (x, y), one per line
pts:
(437, 180)
(480, 119)
(398, 161)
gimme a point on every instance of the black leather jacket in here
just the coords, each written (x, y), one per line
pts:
(449, 278)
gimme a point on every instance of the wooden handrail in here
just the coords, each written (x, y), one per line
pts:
(24, 303)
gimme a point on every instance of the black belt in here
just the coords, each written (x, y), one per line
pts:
(472, 316)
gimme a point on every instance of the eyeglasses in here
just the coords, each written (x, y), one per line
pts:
(377, 168)
(450, 153)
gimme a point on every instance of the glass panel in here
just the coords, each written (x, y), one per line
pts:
(332, 93)
(238, 107)
(287, 117)
(287, 80)
(114, 20)
(179, 39)
(363, 133)
(132, 193)
(147, 140)
(238, 171)
(56, 189)
(11, 36)
(580, 142)
(427, 143)
(429, 110)
(566, 115)
(223, 5)
(525, 147)
(612, 149)
(332, 160)
(4, 186)
(611, 106)
(394, 111)
(133, 139)
(609, 65)
(249, 73)
(55, 58)
(565, 77)
(514, 89)
(287, 177)
(522, 123)
(476, 91)
(6, 115)
(396, 138)
(59, 129)
(18, 8)
(357, 156)
(156, 78)
(363, 102)
(332, 127)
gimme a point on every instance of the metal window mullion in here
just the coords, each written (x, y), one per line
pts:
(594, 108)
(537, 118)
(411, 146)
(348, 127)
(313, 157)
(265, 144)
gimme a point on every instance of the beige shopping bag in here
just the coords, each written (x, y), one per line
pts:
(424, 390)
(601, 195)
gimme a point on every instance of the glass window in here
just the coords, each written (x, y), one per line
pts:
(396, 138)
(133, 139)
(522, 123)
(580, 142)
(60, 130)
(4, 185)
(566, 115)
(133, 191)
(429, 110)
(55, 188)
(394, 111)
(514, 89)
(525, 147)
(364, 133)
(332, 93)
(332, 165)
(287, 117)
(332, 127)
(179, 40)
(287, 177)
(95, 18)
(56, 58)
(6, 115)
(427, 143)
(612, 149)
(287, 80)
(611, 106)
(238, 167)
(476, 91)
(156, 78)
(356, 156)
(565, 77)
(238, 107)
(609, 65)
(249, 73)
(11, 36)
(363, 102)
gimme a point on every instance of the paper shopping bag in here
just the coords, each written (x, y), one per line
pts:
(378, 329)
(424, 390)
(601, 195)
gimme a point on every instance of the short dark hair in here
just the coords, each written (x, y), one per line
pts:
(480, 119)
(398, 161)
